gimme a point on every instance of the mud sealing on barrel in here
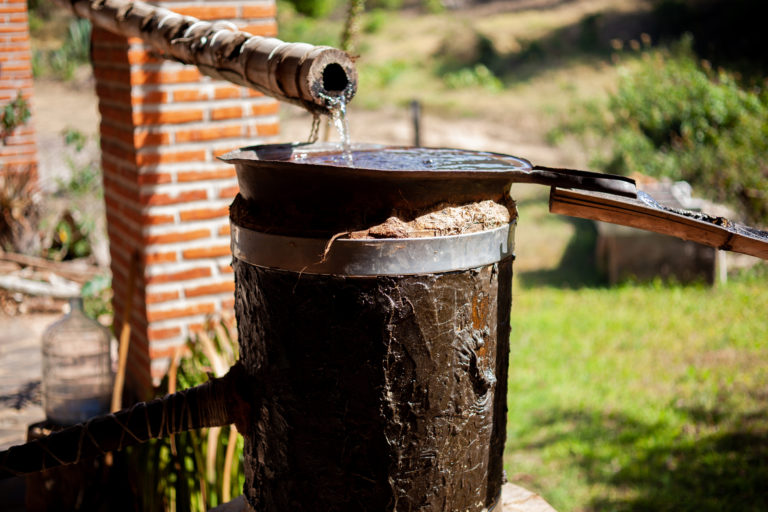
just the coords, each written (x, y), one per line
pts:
(443, 220)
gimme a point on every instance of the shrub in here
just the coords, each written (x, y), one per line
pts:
(199, 469)
(478, 76)
(314, 8)
(13, 115)
(75, 51)
(19, 210)
(675, 117)
(294, 26)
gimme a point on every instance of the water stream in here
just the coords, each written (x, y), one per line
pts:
(337, 106)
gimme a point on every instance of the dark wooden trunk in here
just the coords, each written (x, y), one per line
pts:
(374, 393)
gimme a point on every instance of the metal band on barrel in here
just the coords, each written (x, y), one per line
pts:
(373, 257)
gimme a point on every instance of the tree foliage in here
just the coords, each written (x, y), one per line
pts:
(673, 116)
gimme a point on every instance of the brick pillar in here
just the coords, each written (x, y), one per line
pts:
(17, 151)
(162, 127)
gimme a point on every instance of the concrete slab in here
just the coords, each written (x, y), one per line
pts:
(20, 375)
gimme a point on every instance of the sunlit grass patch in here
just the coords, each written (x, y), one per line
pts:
(648, 397)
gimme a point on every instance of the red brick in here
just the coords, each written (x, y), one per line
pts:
(210, 289)
(17, 151)
(154, 298)
(143, 57)
(122, 134)
(147, 138)
(203, 134)
(112, 92)
(228, 304)
(150, 97)
(182, 236)
(154, 178)
(16, 161)
(261, 29)
(196, 327)
(184, 275)
(225, 230)
(159, 257)
(138, 379)
(153, 220)
(141, 77)
(218, 114)
(197, 309)
(159, 353)
(111, 57)
(111, 75)
(203, 214)
(265, 130)
(166, 199)
(189, 95)
(263, 109)
(103, 36)
(208, 12)
(115, 114)
(162, 334)
(207, 252)
(226, 269)
(227, 92)
(168, 117)
(166, 158)
(5, 29)
(119, 152)
(17, 67)
(229, 192)
(218, 174)
(259, 11)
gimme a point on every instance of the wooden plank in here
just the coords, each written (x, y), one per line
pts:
(75, 270)
(635, 213)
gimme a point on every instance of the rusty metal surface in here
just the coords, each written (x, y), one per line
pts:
(374, 394)
(734, 227)
(367, 257)
(645, 213)
(280, 186)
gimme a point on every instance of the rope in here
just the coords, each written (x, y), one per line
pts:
(199, 407)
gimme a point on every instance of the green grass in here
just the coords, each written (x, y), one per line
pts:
(643, 397)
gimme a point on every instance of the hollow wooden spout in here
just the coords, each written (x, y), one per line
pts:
(310, 76)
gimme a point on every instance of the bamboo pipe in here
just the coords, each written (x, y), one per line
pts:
(315, 77)
(212, 404)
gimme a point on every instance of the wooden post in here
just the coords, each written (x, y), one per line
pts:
(378, 377)
(374, 392)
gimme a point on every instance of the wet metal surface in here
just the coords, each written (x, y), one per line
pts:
(312, 190)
